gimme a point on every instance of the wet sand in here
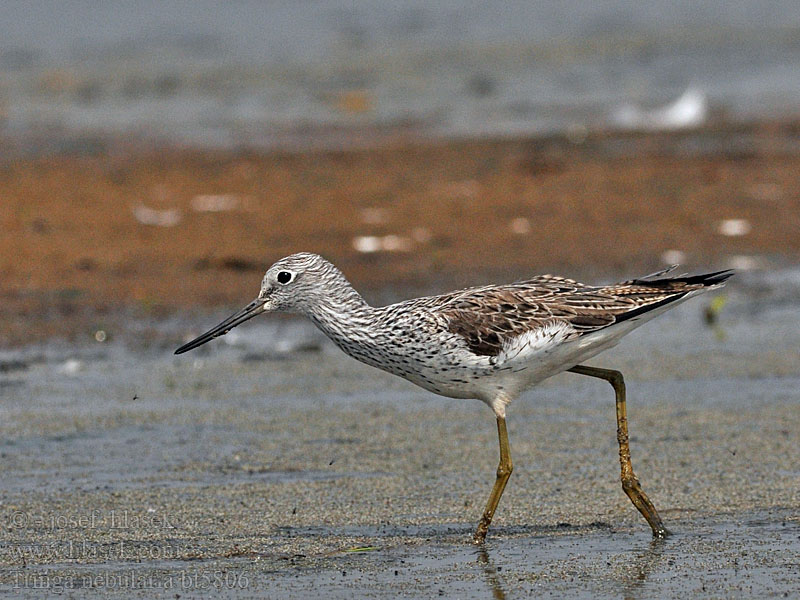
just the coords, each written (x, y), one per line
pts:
(270, 465)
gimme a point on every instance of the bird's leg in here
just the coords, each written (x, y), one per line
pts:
(630, 483)
(504, 469)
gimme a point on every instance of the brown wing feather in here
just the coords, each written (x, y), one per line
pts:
(487, 317)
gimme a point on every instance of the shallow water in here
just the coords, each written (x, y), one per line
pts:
(269, 463)
(724, 557)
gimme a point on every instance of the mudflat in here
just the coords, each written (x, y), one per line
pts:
(268, 464)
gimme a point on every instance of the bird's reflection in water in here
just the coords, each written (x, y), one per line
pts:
(491, 574)
(643, 563)
(634, 573)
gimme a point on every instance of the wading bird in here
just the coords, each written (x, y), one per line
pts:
(488, 343)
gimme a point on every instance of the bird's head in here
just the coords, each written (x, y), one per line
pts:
(292, 284)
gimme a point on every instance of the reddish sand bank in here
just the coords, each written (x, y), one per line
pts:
(461, 212)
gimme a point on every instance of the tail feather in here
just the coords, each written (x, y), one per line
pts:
(669, 290)
(705, 280)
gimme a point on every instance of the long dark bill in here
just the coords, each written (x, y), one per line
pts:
(248, 312)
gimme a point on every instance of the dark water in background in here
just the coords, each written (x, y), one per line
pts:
(288, 72)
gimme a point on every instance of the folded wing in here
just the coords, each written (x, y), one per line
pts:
(488, 318)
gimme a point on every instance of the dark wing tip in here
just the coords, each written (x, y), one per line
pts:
(716, 277)
(666, 286)
(706, 279)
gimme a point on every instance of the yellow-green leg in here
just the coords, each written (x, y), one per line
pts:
(503, 473)
(630, 483)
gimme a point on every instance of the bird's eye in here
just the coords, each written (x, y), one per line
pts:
(285, 277)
